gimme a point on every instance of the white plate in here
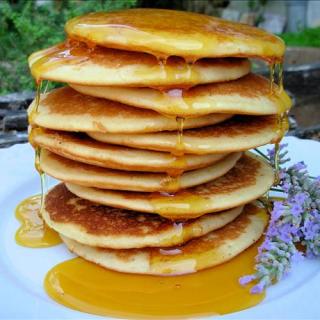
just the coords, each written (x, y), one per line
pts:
(22, 270)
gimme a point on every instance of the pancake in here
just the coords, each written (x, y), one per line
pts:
(207, 251)
(92, 176)
(76, 63)
(249, 179)
(66, 109)
(165, 33)
(247, 95)
(80, 147)
(103, 226)
(237, 134)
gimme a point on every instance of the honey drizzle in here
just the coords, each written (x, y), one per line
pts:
(271, 77)
(171, 182)
(37, 161)
(33, 232)
(84, 286)
(282, 123)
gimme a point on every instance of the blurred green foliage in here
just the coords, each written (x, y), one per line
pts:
(27, 26)
(306, 38)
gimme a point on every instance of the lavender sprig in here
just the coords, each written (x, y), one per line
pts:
(294, 220)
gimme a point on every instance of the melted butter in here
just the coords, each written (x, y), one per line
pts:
(33, 232)
(86, 287)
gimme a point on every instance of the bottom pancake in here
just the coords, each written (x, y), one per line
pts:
(207, 251)
(103, 226)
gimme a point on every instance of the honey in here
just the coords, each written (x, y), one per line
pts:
(172, 180)
(174, 70)
(189, 102)
(282, 123)
(67, 53)
(164, 33)
(171, 204)
(29, 220)
(86, 287)
(179, 145)
(34, 233)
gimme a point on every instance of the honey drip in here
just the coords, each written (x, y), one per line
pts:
(37, 161)
(70, 52)
(86, 287)
(35, 107)
(172, 181)
(169, 69)
(178, 204)
(169, 204)
(282, 123)
(179, 145)
(33, 232)
(272, 72)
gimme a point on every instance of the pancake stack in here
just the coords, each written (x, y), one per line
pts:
(150, 138)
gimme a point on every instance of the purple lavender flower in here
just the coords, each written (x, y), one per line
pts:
(294, 220)
(246, 279)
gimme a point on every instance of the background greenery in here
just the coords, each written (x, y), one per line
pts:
(26, 27)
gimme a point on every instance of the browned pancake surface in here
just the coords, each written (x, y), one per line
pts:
(243, 174)
(215, 239)
(205, 243)
(251, 86)
(78, 52)
(65, 207)
(241, 124)
(67, 101)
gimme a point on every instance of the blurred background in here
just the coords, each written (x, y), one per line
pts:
(30, 25)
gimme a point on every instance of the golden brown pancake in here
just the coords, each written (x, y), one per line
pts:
(247, 95)
(92, 176)
(207, 251)
(103, 226)
(77, 63)
(66, 109)
(249, 179)
(80, 147)
(237, 134)
(165, 33)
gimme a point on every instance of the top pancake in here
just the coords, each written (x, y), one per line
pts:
(165, 33)
(77, 63)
